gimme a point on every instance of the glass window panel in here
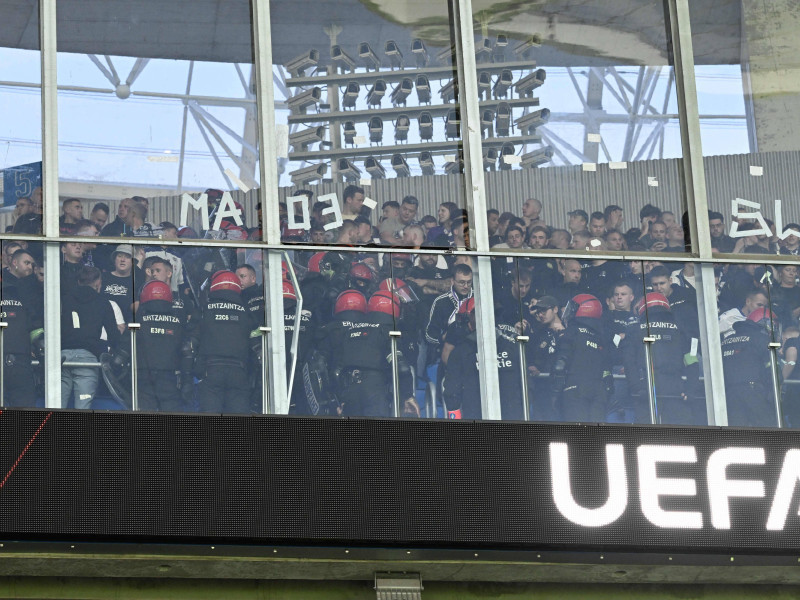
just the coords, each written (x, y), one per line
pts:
(749, 322)
(22, 301)
(746, 67)
(157, 105)
(21, 136)
(562, 87)
(368, 98)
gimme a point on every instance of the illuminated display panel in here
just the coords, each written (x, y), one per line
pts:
(102, 477)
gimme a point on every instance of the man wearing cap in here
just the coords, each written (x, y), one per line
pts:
(546, 330)
(578, 220)
(118, 284)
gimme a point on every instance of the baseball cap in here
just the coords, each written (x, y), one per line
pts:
(124, 249)
(580, 212)
(544, 303)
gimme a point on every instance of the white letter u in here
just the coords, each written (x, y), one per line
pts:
(562, 487)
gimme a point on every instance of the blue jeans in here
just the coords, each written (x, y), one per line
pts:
(80, 380)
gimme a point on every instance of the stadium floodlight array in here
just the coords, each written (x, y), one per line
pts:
(348, 170)
(528, 123)
(503, 119)
(298, 65)
(420, 53)
(308, 174)
(376, 92)
(375, 130)
(499, 50)
(392, 52)
(368, 56)
(426, 163)
(506, 149)
(536, 158)
(400, 165)
(303, 100)
(449, 91)
(402, 91)
(527, 84)
(341, 59)
(374, 168)
(490, 158)
(423, 89)
(401, 127)
(503, 83)
(350, 95)
(484, 85)
(483, 50)
(305, 138)
(425, 125)
(452, 124)
(523, 49)
(349, 131)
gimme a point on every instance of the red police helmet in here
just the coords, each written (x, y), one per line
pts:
(762, 315)
(225, 281)
(582, 305)
(284, 270)
(350, 300)
(467, 306)
(362, 272)
(384, 302)
(313, 262)
(155, 290)
(651, 300)
(400, 289)
(288, 291)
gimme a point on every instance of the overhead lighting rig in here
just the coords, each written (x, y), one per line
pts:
(374, 168)
(504, 81)
(307, 137)
(375, 130)
(401, 91)
(425, 121)
(401, 127)
(452, 124)
(426, 163)
(536, 158)
(350, 95)
(423, 89)
(308, 174)
(400, 165)
(341, 59)
(503, 119)
(506, 149)
(526, 85)
(298, 65)
(304, 100)
(376, 92)
(368, 56)
(528, 123)
(349, 132)
(392, 52)
(420, 53)
(348, 170)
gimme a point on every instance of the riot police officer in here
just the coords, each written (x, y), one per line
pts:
(748, 371)
(158, 348)
(461, 385)
(226, 332)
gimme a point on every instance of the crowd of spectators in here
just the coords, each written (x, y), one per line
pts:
(584, 322)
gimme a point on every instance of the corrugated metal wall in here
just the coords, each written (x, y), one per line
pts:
(562, 189)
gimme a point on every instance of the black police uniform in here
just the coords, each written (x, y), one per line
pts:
(461, 385)
(18, 376)
(253, 300)
(748, 377)
(158, 355)
(307, 339)
(677, 401)
(225, 349)
(512, 403)
(621, 406)
(540, 352)
(582, 371)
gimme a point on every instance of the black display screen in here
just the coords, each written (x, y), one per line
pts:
(423, 483)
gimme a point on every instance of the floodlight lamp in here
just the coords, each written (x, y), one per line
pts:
(523, 49)
(349, 131)
(506, 149)
(484, 84)
(536, 158)
(455, 167)
(447, 56)
(504, 81)
(503, 120)
(298, 65)
(526, 85)
(425, 125)
(487, 119)
(341, 59)
(374, 168)
(308, 174)
(350, 95)
(303, 139)
(423, 89)
(449, 91)
(426, 163)
(300, 102)
(400, 165)
(376, 92)
(452, 124)
(483, 50)
(375, 130)
(348, 170)
(402, 91)
(501, 40)
(368, 56)
(420, 53)
(401, 127)
(531, 121)
(392, 51)
(490, 159)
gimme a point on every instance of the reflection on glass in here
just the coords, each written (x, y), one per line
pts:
(369, 110)
(748, 101)
(154, 114)
(20, 96)
(22, 337)
(558, 88)
(749, 323)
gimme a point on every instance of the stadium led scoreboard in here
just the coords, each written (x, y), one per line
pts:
(118, 477)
